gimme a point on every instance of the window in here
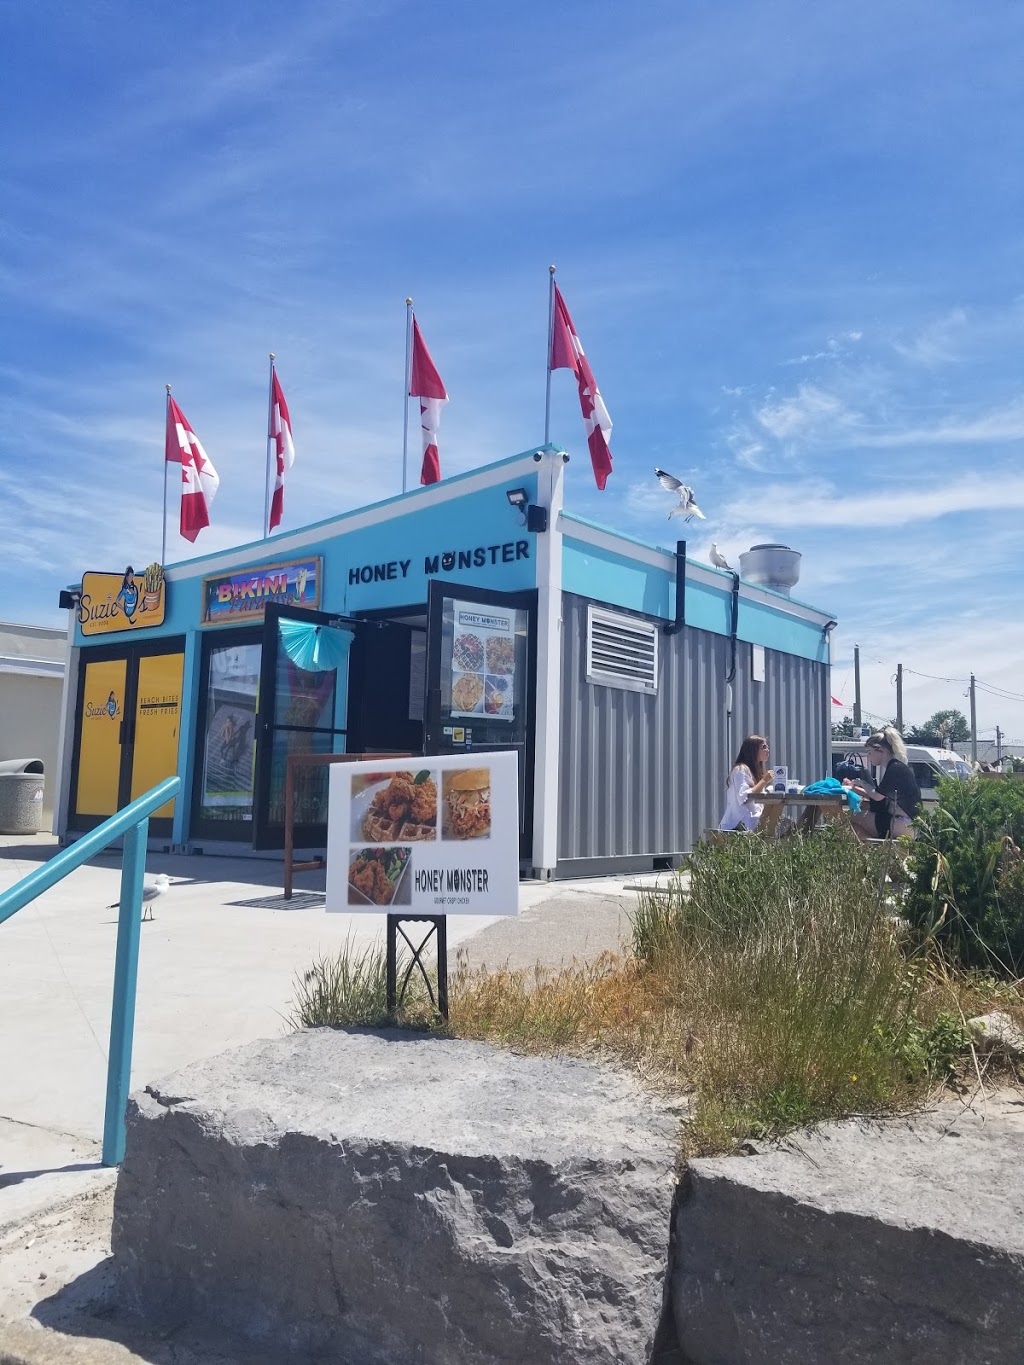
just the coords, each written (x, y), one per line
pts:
(622, 651)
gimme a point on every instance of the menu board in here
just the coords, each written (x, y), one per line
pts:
(483, 662)
(429, 836)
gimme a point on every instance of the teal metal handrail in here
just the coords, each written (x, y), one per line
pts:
(133, 823)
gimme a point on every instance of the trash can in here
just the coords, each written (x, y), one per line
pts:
(21, 795)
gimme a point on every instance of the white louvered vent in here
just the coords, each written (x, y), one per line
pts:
(622, 651)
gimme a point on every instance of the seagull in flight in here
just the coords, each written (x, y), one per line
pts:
(718, 559)
(687, 508)
(151, 892)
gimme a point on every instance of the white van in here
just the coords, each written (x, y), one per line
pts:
(927, 765)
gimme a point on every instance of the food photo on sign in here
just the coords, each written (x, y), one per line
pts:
(441, 838)
(483, 662)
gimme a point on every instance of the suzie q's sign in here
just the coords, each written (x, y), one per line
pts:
(112, 602)
(428, 836)
(243, 596)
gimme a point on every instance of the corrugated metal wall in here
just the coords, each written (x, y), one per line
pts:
(645, 775)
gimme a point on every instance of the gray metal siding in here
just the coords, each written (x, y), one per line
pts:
(645, 775)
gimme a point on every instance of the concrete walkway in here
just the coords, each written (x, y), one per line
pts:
(217, 969)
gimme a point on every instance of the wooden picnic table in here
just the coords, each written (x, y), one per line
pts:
(817, 809)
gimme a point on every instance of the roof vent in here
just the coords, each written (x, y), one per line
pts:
(771, 566)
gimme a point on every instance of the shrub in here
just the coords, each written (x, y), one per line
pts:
(348, 988)
(968, 881)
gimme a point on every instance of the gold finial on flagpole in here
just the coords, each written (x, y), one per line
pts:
(551, 269)
(167, 387)
(408, 303)
(272, 355)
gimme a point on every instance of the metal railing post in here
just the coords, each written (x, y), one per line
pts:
(126, 972)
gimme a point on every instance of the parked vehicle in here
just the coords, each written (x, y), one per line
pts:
(928, 765)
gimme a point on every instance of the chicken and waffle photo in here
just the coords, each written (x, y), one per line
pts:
(501, 654)
(399, 806)
(376, 877)
(467, 803)
(467, 692)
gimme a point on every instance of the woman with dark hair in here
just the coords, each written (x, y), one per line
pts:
(896, 799)
(748, 779)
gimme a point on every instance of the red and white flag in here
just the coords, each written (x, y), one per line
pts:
(280, 448)
(567, 354)
(425, 384)
(199, 479)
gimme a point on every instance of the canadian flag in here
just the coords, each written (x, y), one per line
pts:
(425, 384)
(281, 447)
(199, 479)
(567, 354)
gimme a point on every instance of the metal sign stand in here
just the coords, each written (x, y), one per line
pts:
(438, 931)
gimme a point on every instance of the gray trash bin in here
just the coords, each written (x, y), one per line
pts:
(21, 795)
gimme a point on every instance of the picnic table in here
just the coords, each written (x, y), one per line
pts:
(817, 809)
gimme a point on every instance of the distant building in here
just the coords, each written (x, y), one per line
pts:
(32, 666)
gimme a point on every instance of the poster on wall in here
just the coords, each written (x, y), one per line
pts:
(229, 753)
(243, 596)
(429, 836)
(483, 661)
(113, 602)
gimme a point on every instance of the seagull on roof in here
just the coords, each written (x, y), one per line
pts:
(718, 559)
(151, 893)
(687, 508)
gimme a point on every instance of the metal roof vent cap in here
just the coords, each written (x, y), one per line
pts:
(771, 566)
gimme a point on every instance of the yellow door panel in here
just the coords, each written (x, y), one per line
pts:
(157, 721)
(99, 744)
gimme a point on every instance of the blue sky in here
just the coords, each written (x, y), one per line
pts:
(791, 236)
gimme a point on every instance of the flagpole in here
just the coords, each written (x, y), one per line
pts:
(163, 524)
(408, 381)
(551, 332)
(270, 427)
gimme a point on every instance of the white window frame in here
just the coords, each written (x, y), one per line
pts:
(635, 626)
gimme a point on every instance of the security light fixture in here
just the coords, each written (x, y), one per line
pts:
(518, 497)
(68, 601)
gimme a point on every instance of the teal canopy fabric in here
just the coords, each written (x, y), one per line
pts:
(315, 648)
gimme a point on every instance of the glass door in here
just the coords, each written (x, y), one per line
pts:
(481, 680)
(303, 653)
(222, 798)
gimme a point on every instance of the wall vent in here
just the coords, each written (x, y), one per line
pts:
(622, 651)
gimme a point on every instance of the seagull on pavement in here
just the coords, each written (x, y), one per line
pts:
(151, 892)
(718, 559)
(687, 508)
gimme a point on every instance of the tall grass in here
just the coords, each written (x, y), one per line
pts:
(793, 990)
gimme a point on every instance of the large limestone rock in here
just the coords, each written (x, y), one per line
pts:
(875, 1243)
(384, 1198)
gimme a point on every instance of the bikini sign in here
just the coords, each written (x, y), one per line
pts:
(115, 602)
(243, 596)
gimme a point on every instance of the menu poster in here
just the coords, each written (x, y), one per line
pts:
(429, 836)
(483, 662)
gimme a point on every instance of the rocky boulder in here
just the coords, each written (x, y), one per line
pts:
(895, 1243)
(378, 1198)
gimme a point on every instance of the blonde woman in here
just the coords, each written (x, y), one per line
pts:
(896, 798)
(748, 779)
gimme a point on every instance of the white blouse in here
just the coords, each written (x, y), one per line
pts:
(739, 809)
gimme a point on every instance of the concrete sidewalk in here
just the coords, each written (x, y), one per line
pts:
(216, 969)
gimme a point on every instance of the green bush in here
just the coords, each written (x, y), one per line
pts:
(349, 988)
(967, 887)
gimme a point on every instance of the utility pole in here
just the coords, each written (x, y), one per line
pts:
(899, 698)
(856, 687)
(974, 725)
(999, 747)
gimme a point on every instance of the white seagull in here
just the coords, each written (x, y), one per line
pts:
(687, 508)
(151, 892)
(718, 559)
